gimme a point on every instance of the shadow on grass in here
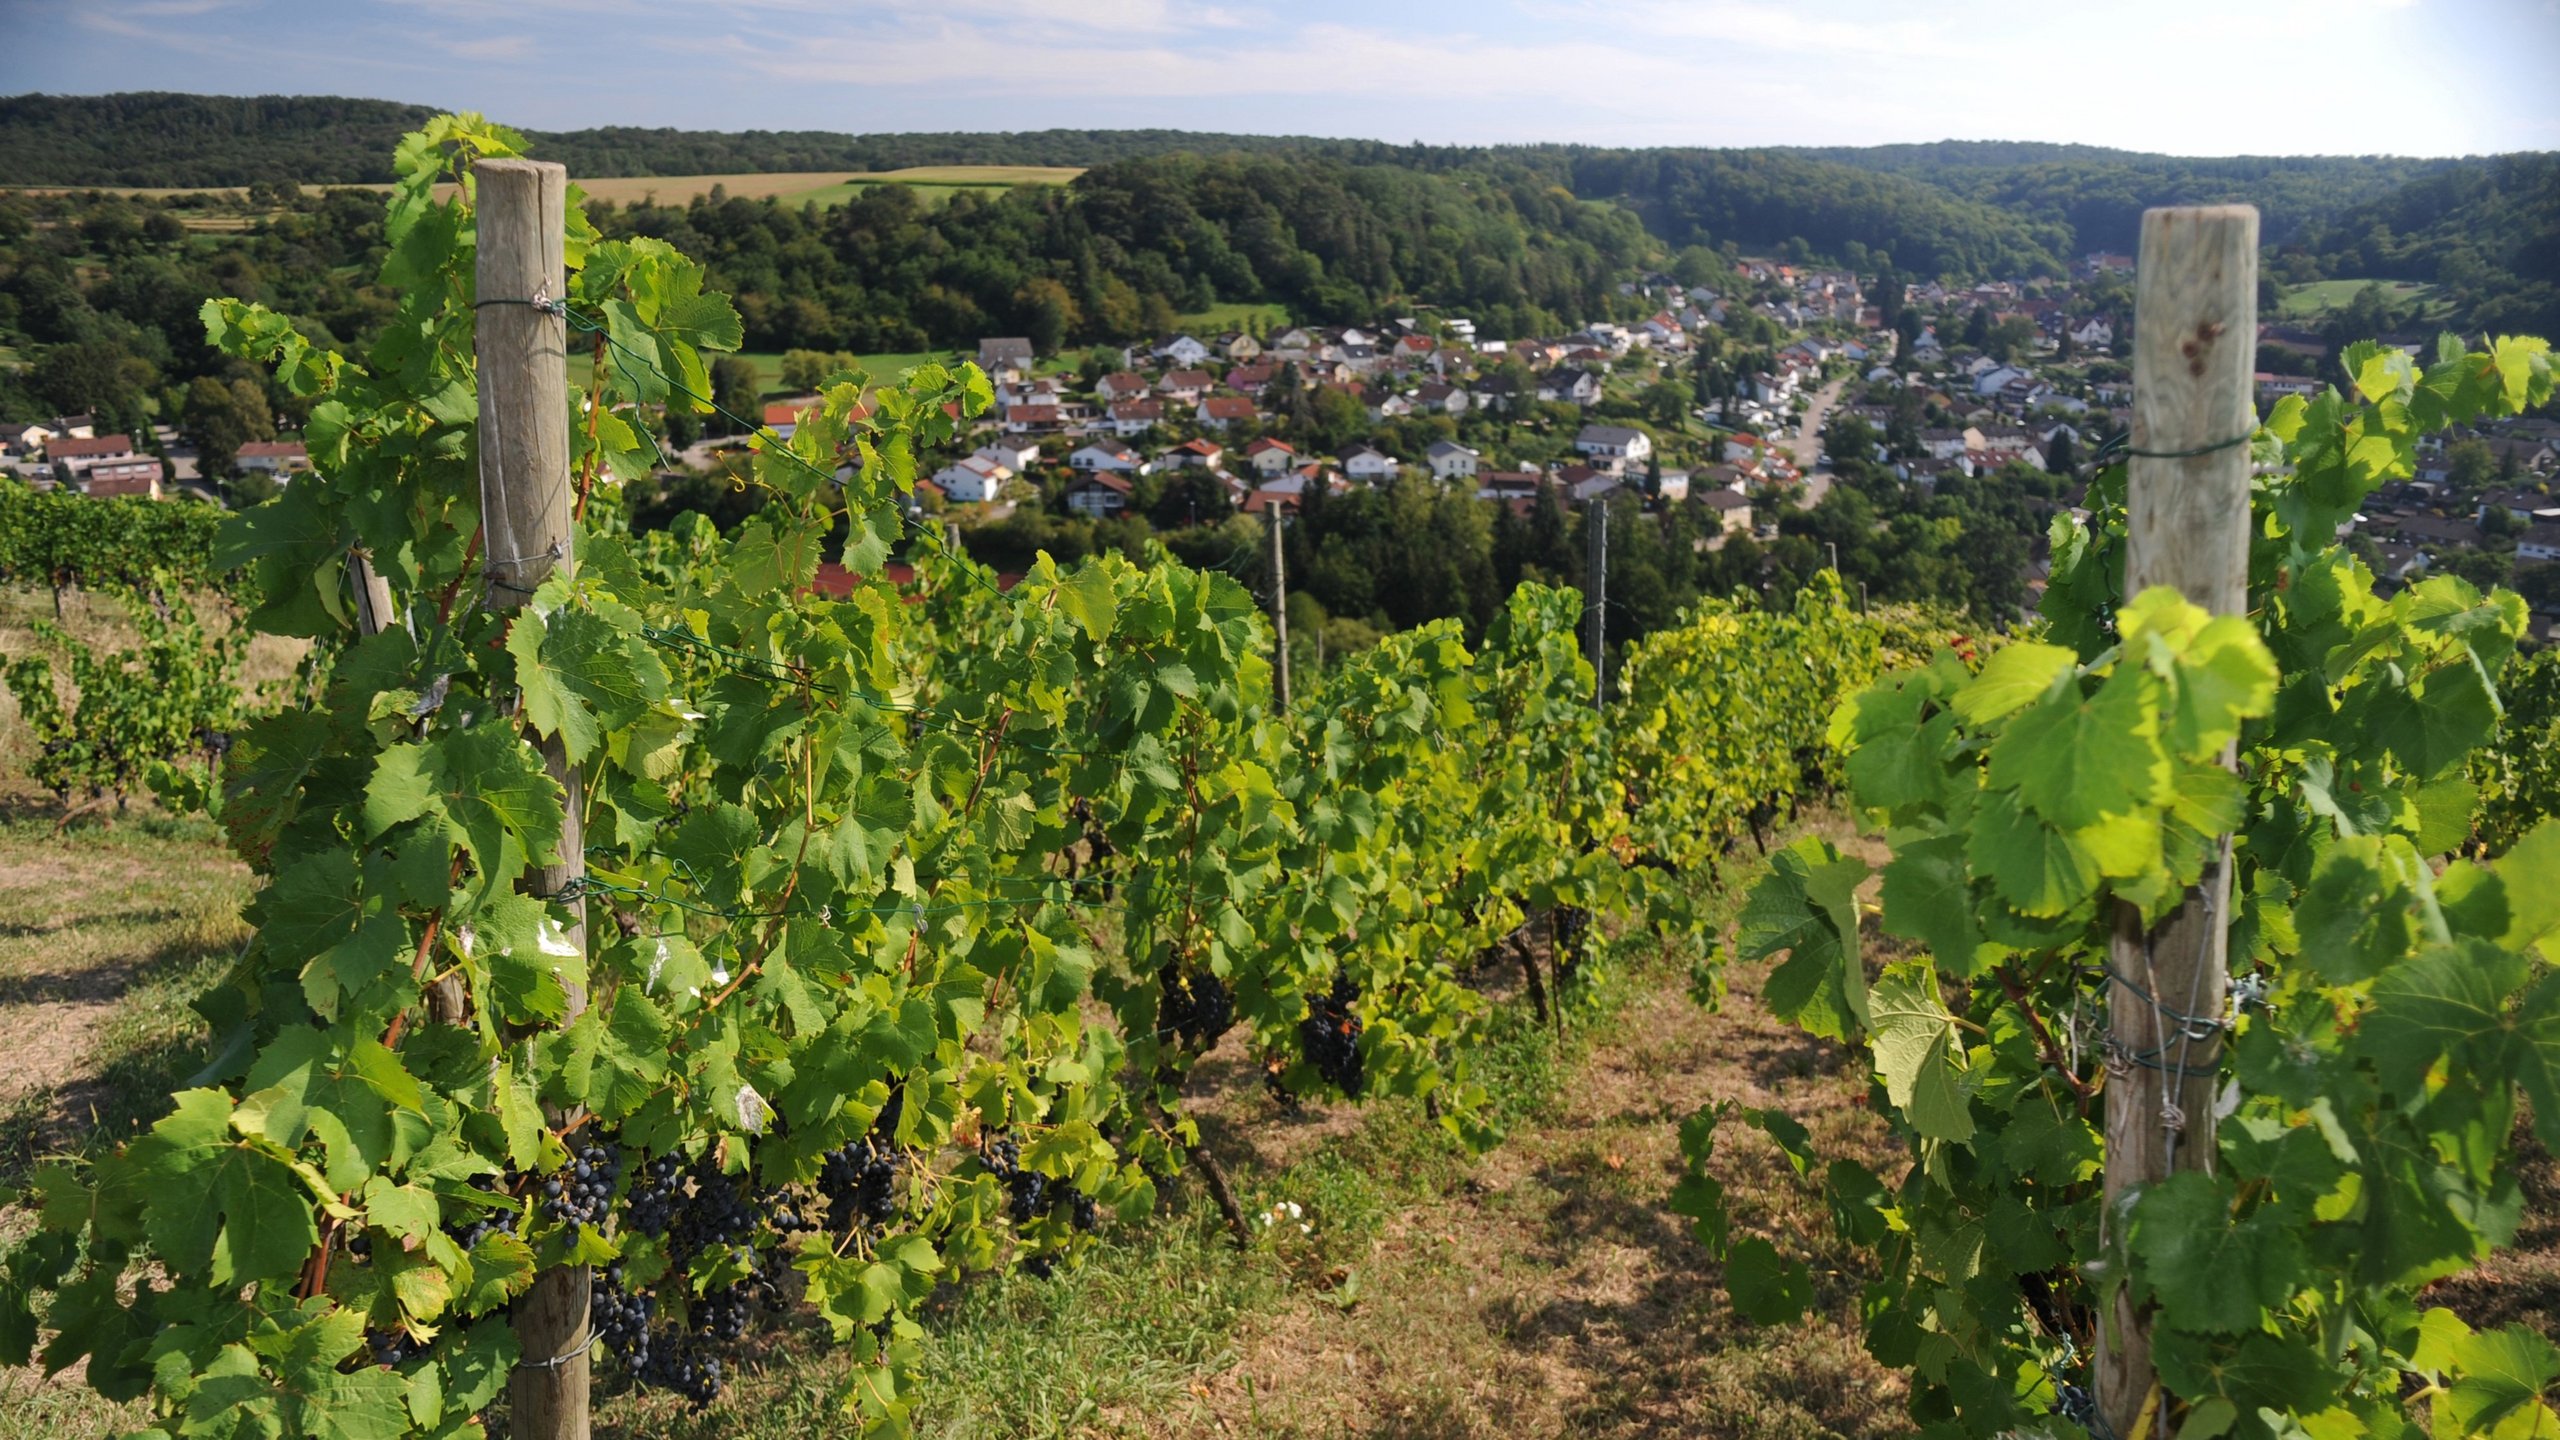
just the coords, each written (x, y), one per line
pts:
(150, 1044)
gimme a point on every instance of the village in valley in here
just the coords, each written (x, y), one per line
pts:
(1729, 400)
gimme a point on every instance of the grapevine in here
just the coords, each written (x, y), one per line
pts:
(2390, 1024)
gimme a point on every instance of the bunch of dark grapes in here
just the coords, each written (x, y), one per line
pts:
(393, 1347)
(581, 1192)
(715, 1213)
(485, 1222)
(722, 1314)
(656, 1190)
(859, 1182)
(1197, 1008)
(1030, 1194)
(621, 1319)
(676, 1363)
(1572, 928)
(1331, 1036)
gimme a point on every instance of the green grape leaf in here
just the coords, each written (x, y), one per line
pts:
(2432, 732)
(1767, 1288)
(2075, 760)
(2500, 1377)
(1918, 1053)
(2012, 678)
(2210, 1274)
(1807, 905)
(254, 1221)
(1928, 898)
(583, 677)
(1087, 598)
(2034, 866)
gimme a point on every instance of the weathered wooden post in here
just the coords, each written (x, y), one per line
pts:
(525, 533)
(1279, 605)
(1595, 566)
(2195, 343)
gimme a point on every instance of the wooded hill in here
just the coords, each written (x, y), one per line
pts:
(2487, 230)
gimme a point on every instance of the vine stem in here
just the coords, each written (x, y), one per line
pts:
(2017, 993)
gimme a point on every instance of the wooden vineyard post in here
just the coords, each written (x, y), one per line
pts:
(1595, 565)
(525, 524)
(2187, 526)
(1279, 605)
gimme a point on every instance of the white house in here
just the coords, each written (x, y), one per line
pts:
(78, 454)
(1103, 455)
(1443, 397)
(1014, 454)
(1675, 484)
(1368, 463)
(1565, 383)
(1613, 447)
(1182, 350)
(1270, 457)
(1217, 412)
(1005, 358)
(275, 457)
(1450, 460)
(1136, 417)
(972, 481)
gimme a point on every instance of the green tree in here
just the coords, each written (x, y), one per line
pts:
(221, 418)
(737, 388)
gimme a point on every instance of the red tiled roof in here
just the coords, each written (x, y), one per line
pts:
(71, 448)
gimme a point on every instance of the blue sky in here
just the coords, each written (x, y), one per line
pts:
(2425, 77)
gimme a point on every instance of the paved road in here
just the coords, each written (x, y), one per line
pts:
(1807, 446)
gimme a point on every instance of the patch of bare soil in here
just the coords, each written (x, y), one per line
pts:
(1552, 1292)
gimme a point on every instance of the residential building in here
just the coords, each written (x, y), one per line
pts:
(1099, 493)
(1183, 387)
(1571, 385)
(1613, 447)
(1005, 358)
(1368, 463)
(274, 457)
(1217, 412)
(1731, 507)
(1103, 455)
(1450, 460)
(1033, 420)
(1121, 385)
(110, 479)
(1014, 454)
(1203, 453)
(972, 481)
(1270, 458)
(782, 417)
(1441, 397)
(1131, 418)
(1182, 350)
(79, 454)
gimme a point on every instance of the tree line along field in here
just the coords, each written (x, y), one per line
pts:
(820, 187)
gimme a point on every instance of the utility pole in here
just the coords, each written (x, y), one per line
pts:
(2186, 526)
(1279, 605)
(1595, 566)
(525, 534)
